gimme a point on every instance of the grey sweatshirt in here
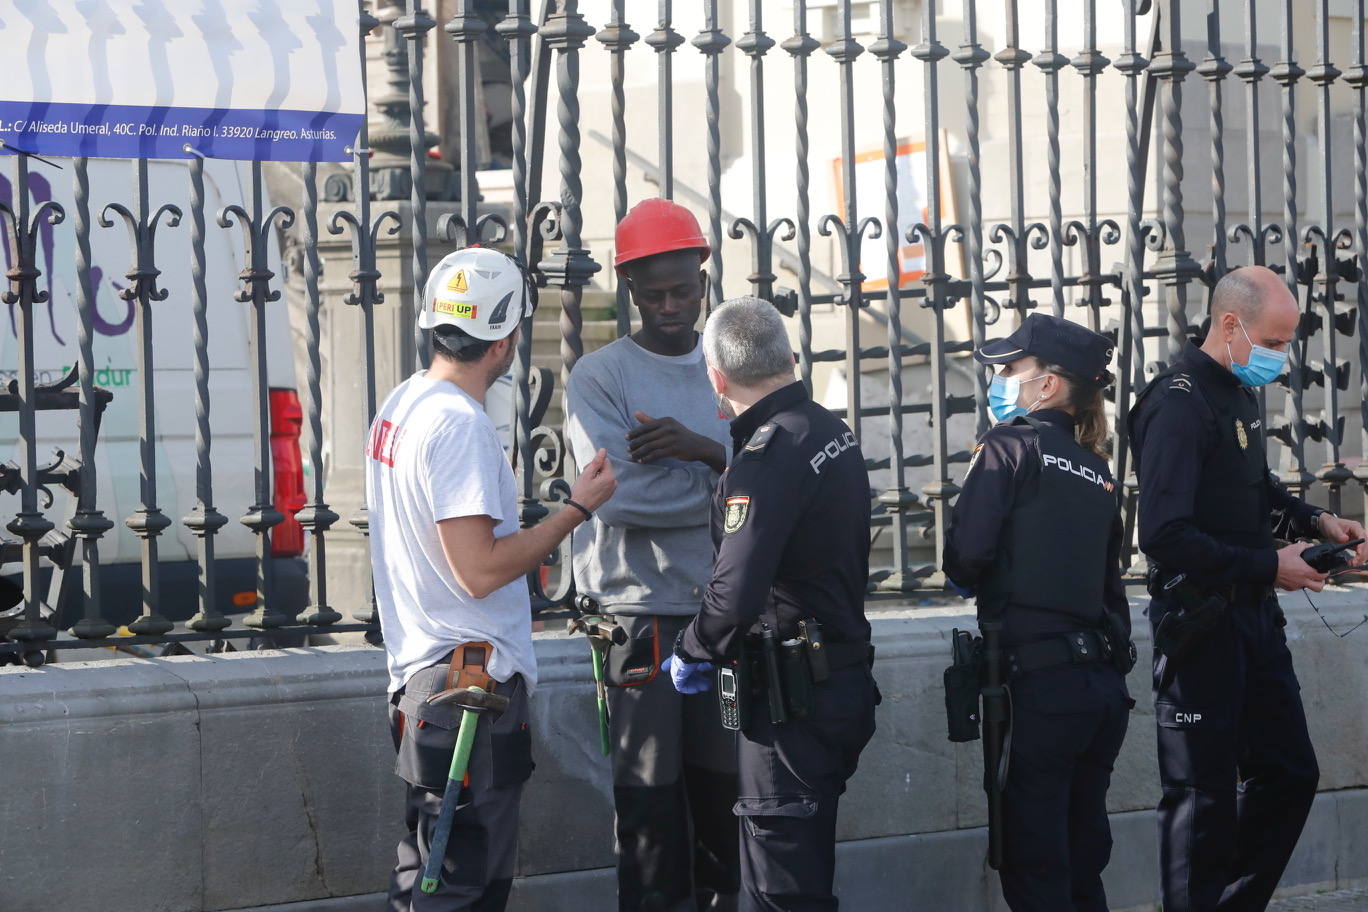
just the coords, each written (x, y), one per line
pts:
(648, 550)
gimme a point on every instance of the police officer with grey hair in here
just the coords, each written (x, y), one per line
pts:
(783, 616)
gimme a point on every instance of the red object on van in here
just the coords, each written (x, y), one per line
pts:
(287, 463)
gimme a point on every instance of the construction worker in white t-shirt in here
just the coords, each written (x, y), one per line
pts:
(449, 566)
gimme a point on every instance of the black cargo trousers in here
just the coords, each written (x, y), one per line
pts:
(792, 776)
(1238, 769)
(477, 872)
(1068, 724)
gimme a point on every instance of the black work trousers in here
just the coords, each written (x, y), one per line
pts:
(674, 781)
(1238, 769)
(791, 778)
(1068, 723)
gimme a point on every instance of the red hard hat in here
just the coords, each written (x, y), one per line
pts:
(657, 226)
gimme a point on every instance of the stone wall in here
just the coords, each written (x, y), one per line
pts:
(251, 780)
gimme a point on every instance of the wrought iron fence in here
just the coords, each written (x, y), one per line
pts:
(1121, 269)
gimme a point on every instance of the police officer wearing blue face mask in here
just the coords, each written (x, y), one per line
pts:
(1036, 536)
(1237, 766)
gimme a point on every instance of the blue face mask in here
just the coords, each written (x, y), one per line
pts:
(1265, 364)
(1003, 393)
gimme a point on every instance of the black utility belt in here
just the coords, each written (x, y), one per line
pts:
(1078, 647)
(781, 673)
(1194, 611)
(828, 656)
(1161, 583)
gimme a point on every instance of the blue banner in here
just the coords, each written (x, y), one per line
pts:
(143, 131)
(238, 79)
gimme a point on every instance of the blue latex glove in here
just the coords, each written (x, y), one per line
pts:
(958, 589)
(688, 677)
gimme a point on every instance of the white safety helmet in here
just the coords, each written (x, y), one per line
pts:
(479, 291)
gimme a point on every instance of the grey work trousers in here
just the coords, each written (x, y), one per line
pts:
(674, 781)
(477, 872)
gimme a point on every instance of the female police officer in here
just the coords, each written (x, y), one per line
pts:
(1036, 536)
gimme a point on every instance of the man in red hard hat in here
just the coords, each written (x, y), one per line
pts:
(645, 559)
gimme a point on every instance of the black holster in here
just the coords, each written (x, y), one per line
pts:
(963, 681)
(1193, 612)
(1120, 648)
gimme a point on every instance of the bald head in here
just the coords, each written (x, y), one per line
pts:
(1250, 305)
(1247, 291)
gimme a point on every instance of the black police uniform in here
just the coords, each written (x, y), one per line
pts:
(1037, 533)
(1230, 712)
(790, 522)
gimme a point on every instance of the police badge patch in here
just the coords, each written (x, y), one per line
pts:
(1240, 436)
(738, 508)
(973, 460)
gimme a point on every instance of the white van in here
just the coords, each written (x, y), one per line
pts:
(232, 408)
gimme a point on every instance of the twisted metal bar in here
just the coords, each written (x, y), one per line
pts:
(316, 516)
(1357, 78)
(1287, 73)
(801, 46)
(414, 26)
(1333, 473)
(204, 520)
(1175, 267)
(1252, 70)
(570, 266)
(466, 29)
(971, 56)
(1090, 63)
(844, 51)
(618, 37)
(755, 44)
(1013, 57)
(148, 521)
(664, 40)
(262, 516)
(940, 490)
(1050, 62)
(896, 497)
(1214, 69)
(1132, 343)
(29, 523)
(89, 523)
(516, 28)
(711, 41)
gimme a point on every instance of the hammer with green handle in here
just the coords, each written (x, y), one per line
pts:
(602, 632)
(474, 700)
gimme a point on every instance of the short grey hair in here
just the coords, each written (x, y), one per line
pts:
(745, 339)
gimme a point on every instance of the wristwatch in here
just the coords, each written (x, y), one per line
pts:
(1316, 519)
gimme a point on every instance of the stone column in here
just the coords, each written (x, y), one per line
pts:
(344, 395)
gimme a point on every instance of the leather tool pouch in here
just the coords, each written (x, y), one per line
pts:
(635, 662)
(429, 734)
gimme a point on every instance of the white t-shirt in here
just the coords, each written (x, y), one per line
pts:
(433, 454)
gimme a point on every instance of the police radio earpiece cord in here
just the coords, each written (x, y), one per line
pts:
(1307, 593)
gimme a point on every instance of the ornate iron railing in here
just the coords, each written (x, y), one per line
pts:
(1006, 225)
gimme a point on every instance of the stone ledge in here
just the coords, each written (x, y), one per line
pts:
(945, 871)
(277, 766)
